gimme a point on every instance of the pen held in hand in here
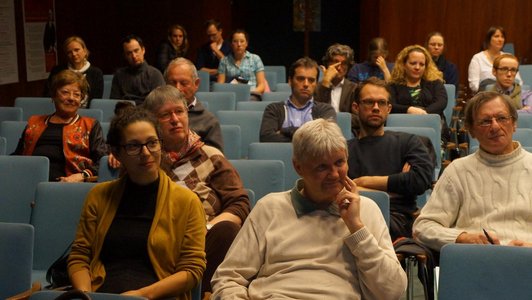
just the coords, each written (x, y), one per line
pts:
(490, 240)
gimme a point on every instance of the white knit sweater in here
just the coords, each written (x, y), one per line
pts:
(479, 191)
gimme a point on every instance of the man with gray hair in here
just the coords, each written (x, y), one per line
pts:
(321, 240)
(483, 198)
(182, 74)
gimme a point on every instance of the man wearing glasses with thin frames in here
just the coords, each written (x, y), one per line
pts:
(483, 198)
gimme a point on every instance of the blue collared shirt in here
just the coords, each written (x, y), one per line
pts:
(297, 116)
(249, 66)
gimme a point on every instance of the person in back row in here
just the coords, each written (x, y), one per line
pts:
(204, 170)
(136, 80)
(77, 54)
(210, 54)
(320, 240)
(281, 119)
(182, 74)
(505, 67)
(375, 65)
(394, 162)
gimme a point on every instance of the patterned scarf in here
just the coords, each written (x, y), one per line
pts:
(192, 144)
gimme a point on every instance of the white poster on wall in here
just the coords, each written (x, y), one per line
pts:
(8, 43)
(39, 38)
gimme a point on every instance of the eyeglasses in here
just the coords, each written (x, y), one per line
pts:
(166, 116)
(74, 94)
(502, 120)
(134, 149)
(367, 103)
(506, 70)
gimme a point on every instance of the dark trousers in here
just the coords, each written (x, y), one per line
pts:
(218, 240)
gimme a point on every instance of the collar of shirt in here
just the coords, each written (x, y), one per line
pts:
(193, 104)
(508, 91)
(304, 107)
(304, 206)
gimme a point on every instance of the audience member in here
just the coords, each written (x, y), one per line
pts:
(488, 190)
(243, 67)
(480, 73)
(281, 119)
(389, 161)
(77, 54)
(182, 74)
(436, 47)
(417, 85)
(72, 143)
(333, 88)
(210, 54)
(321, 240)
(376, 64)
(505, 67)
(136, 80)
(140, 235)
(175, 45)
(205, 171)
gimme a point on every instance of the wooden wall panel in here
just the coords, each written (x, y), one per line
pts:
(463, 23)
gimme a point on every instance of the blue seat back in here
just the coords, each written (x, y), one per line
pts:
(232, 141)
(253, 105)
(105, 172)
(524, 121)
(383, 201)
(34, 106)
(242, 91)
(55, 217)
(217, 100)
(91, 113)
(262, 176)
(107, 106)
(18, 180)
(280, 72)
(12, 131)
(343, 119)
(525, 71)
(10, 114)
(271, 79)
(484, 272)
(249, 122)
(205, 83)
(16, 258)
(451, 100)
(276, 96)
(3, 143)
(280, 151)
(283, 87)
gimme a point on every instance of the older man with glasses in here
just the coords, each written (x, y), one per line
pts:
(485, 197)
(394, 162)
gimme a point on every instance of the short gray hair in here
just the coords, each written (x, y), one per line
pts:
(161, 95)
(317, 138)
(474, 104)
(181, 61)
